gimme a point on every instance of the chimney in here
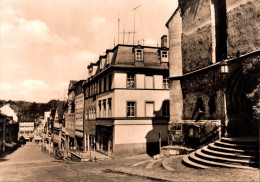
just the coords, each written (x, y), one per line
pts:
(164, 41)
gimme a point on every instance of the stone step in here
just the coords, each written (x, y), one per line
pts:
(236, 146)
(186, 161)
(202, 155)
(212, 146)
(151, 164)
(201, 161)
(242, 141)
(208, 151)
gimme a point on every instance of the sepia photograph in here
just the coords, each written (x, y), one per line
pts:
(129, 90)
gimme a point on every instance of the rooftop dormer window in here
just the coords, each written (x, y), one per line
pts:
(139, 54)
(164, 56)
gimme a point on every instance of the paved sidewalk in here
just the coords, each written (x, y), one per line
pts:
(93, 155)
(179, 172)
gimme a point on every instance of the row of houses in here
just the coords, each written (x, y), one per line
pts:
(122, 108)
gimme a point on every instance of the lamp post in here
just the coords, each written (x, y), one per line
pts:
(223, 69)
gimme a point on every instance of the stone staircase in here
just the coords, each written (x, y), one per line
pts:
(227, 152)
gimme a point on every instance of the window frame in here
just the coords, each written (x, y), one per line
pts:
(164, 110)
(165, 84)
(139, 54)
(163, 58)
(134, 106)
(146, 102)
(129, 80)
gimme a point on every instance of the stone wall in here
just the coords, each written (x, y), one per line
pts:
(243, 22)
(207, 86)
(196, 38)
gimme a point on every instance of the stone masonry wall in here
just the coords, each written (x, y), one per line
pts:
(196, 37)
(206, 87)
(243, 24)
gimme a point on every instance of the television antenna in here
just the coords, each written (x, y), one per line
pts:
(134, 22)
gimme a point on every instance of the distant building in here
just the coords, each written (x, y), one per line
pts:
(3, 121)
(69, 116)
(7, 110)
(11, 125)
(26, 129)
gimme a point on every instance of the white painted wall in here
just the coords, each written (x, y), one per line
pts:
(138, 131)
(140, 96)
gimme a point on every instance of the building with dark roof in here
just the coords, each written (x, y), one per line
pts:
(127, 100)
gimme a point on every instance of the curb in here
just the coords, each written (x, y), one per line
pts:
(134, 174)
(165, 165)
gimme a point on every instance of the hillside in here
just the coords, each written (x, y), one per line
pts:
(29, 111)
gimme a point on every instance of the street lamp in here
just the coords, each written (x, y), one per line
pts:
(223, 67)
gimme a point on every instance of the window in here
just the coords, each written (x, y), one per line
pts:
(86, 115)
(91, 90)
(87, 92)
(130, 109)
(164, 56)
(166, 109)
(165, 82)
(109, 82)
(110, 107)
(105, 107)
(99, 106)
(139, 55)
(94, 113)
(149, 109)
(95, 88)
(100, 82)
(105, 84)
(130, 83)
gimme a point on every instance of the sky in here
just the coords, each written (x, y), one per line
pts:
(46, 43)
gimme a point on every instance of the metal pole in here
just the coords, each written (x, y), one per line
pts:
(160, 142)
(134, 23)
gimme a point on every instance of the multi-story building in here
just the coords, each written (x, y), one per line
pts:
(79, 115)
(57, 126)
(69, 115)
(214, 58)
(2, 131)
(130, 93)
(12, 126)
(26, 130)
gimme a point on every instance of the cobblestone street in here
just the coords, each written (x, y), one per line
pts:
(28, 163)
